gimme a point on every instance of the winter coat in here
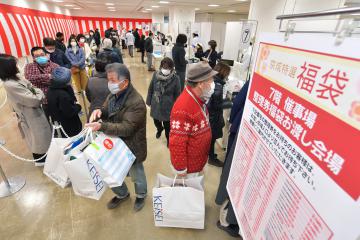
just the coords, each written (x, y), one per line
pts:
(162, 94)
(215, 108)
(114, 56)
(97, 38)
(178, 54)
(33, 124)
(76, 59)
(142, 45)
(149, 47)
(126, 119)
(60, 45)
(190, 133)
(59, 57)
(212, 58)
(62, 108)
(97, 91)
(137, 38)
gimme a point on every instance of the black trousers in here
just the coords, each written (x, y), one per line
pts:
(161, 126)
(212, 154)
(142, 56)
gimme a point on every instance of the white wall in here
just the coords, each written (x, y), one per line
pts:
(157, 17)
(37, 5)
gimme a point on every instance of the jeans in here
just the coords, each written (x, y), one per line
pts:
(182, 79)
(161, 126)
(131, 50)
(138, 177)
(149, 60)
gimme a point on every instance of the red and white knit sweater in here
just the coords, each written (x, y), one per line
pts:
(190, 134)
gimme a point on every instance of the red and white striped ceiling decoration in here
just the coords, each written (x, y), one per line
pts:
(23, 28)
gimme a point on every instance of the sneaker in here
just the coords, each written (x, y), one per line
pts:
(40, 163)
(232, 230)
(115, 201)
(215, 162)
(139, 204)
(158, 134)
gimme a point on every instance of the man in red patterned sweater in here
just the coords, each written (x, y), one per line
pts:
(190, 133)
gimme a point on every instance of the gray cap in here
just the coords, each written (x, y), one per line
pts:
(199, 72)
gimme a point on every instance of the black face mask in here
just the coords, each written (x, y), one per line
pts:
(185, 45)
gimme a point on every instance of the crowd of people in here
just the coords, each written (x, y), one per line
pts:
(185, 100)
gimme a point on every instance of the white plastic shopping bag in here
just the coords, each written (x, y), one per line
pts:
(58, 153)
(112, 156)
(54, 163)
(179, 203)
(85, 179)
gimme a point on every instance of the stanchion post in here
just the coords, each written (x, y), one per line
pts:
(10, 185)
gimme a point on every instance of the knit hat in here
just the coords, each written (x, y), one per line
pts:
(199, 72)
(60, 77)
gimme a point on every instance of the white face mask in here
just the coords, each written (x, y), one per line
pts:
(82, 40)
(114, 88)
(166, 72)
(50, 51)
(73, 44)
(208, 93)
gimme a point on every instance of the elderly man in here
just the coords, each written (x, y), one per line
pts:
(190, 134)
(124, 115)
(39, 72)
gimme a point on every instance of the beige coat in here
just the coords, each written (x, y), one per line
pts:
(32, 120)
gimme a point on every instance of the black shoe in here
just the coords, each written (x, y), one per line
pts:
(232, 230)
(40, 163)
(158, 134)
(215, 162)
(115, 201)
(139, 204)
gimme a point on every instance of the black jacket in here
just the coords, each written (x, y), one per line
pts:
(215, 108)
(62, 108)
(178, 54)
(60, 45)
(60, 58)
(149, 47)
(137, 38)
(142, 45)
(97, 38)
(212, 58)
(115, 57)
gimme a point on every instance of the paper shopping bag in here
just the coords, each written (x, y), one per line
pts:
(85, 179)
(179, 203)
(112, 156)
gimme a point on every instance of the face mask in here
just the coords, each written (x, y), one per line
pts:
(82, 40)
(87, 36)
(42, 60)
(208, 93)
(73, 44)
(166, 72)
(91, 34)
(114, 87)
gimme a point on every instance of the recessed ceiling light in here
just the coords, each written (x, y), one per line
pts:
(213, 5)
(59, 1)
(163, 2)
(112, 10)
(110, 7)
(231, 11)
(155, 6)
(241, 0)
(197, 9)
(109, 4)
(76, 8)
(68, 5)
(148, 9)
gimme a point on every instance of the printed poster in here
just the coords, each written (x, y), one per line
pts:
(296, 168)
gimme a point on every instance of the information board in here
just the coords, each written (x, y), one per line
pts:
(296, 167)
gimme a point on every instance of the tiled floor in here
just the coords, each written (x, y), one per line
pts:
(43, 210)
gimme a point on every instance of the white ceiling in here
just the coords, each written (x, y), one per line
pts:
(133, 6)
